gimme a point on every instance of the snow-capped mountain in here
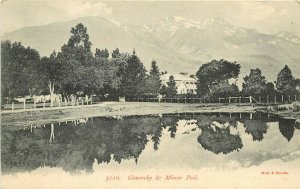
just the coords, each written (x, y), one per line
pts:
(176, 43)
(288, 37)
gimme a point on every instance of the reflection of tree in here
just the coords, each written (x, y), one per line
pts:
(256, 128)
(173, 129)
(287, 128)
(172, 123)
(156, 137)
(219, 141)
(75, 147)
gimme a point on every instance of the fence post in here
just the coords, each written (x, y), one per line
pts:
(259, 99)
(240, 99)
(77, 102)
(185, 100)
(295, 97)
(275, 99)
(219, 100)
(59, 102)
(44, 103)
(82, 101)
(12, 105)
(289, 98)
(24, 104)
(267, 98)
(91, 100)
(250, 98)
(229, 100)
(34, 104)
(281, 98)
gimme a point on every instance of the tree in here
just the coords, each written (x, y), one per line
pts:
(133, 79)
(78, 46)
(171, 89)
(285, 81)
(223, 89)
(102, 53)
(19, 73)
(51, 73)
(270, 90)
(82, 75)
(153, 82)
(115, 53)
(213, 72)
(79, 37)
(255, 83)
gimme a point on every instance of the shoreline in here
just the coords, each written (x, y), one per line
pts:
(37, 117)
(108, 109)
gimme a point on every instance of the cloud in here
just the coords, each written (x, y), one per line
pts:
(16, 14)
(80, 8)
(256, 11)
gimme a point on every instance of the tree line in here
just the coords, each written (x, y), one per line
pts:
(76, 71)
(214, 81)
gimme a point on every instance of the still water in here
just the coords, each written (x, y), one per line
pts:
(187, 140)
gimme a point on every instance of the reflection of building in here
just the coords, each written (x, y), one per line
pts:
(184, 125)
(184, 83)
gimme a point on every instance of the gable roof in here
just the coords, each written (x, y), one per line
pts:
(177, 77)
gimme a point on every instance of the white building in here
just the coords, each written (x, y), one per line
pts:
(184, 83)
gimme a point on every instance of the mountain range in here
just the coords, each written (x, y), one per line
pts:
(176, 43)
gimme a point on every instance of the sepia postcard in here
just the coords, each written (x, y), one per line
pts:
(150, 94)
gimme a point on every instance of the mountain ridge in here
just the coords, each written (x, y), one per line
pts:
(176, 43)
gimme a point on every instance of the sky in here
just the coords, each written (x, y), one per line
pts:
(265, 16)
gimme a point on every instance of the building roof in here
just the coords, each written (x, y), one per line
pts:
(177, 77)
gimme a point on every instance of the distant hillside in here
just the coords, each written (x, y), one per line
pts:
(177, 44)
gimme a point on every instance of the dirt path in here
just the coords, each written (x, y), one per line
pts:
(38, 117)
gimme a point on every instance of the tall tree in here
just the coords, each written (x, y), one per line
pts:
(171, 89)
(134, 77)
(78, 46)
(81, 75)
(285, 81)
(255, 83)
(213, 72)
(79, 37)
(153, 82)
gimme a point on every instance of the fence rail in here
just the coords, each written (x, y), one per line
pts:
(275, 99)
(42, 105)
(269, 99)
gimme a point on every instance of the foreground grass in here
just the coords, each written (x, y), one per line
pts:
(16, 120)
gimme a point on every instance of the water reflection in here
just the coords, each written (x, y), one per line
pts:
(76, 145)
(216, 137)
(287, 128)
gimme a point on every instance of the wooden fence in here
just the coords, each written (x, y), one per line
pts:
(276, 99)
(42, 105)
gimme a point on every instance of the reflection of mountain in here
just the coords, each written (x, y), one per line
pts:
(256, 128)
(287, 128)
(219, 140)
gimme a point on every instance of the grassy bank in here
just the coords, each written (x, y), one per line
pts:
(40, 117)
(291, 111)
